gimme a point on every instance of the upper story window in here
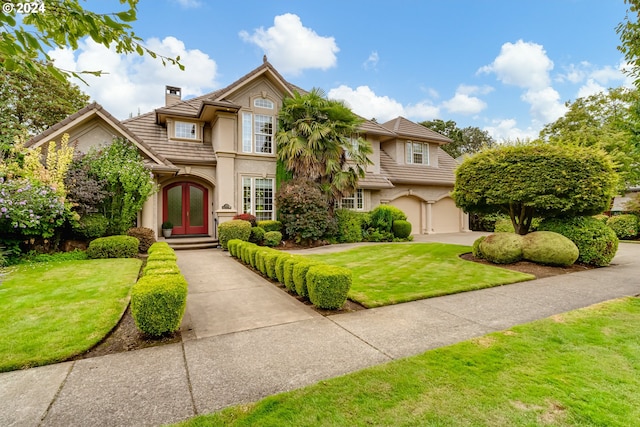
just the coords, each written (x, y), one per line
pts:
(185, 130)
(417, 153)
(263, 103)
(257, 133)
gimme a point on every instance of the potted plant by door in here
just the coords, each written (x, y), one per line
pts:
(167, 228)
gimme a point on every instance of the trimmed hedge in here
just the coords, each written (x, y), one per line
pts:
(502, 248)
(328, 286)
(349, 225)
(596, 242)
(475, 249)
(287, 275)
(280, 260)
(300, 270)
(257, 235)
(401, 228)
(145, 235)
(549, 248)
(159, 298)
(625, 226)
(272, 238)
(270, 225)
(113, 247)
(270, 259)
(234, 229)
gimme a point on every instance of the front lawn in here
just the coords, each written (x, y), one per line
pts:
(578, 368)
(392, 273)
(52, 311)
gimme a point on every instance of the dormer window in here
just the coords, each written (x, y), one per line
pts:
(263, 103)
(417, 153)
(185, 130)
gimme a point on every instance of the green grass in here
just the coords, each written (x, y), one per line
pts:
(394, 273)
(52, 311)
(577, 369)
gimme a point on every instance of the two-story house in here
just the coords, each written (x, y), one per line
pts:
(214, 156)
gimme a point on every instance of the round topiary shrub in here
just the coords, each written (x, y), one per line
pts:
(257, 235)
(625, 226)
(475, 249)
(502, 248)
(234, 229)
(401, 228)
(113, 247)
(328, 286)
(596, 242)
(272, 238)
(270, 225)
(549, 248)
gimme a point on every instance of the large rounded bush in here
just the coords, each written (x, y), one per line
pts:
(234, 229)
(502, 248)
(401, 228)
(383, 216)
(475, 249)
(145, 235)
(547, 247)
(625, 226)
(596, 242)
(113, 247)
(303, 210)
(272, 238)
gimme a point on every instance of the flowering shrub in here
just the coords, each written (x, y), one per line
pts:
(29, 208)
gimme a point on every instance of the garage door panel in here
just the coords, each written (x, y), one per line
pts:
(446, 216)
(412, 207)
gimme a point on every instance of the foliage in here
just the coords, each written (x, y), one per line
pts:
(596, 242)
(300, 270)
(25, 39)
(33, 256)
(328, 286)
(247, 217)
(601, 217)
(113, 247)
(475, 249)
(318, 139)
(159, 247)
(145, 235)
(383, 216)
(349, 225)
(160, 267)
(287, 274)
(548, 248)
(270, 225)
(633, 205)
(234, 229)
(272, 238)
(91, 226)
(401, 228)
(629, 32)
(257, 235)
(29, 208)
(280, 261)
(128, 182)
(32, 102)
(535, 180)
(303, 210)
(469, 140)
(606, 120)
(502, 248)
(85, 192)
(167, 225)
(53, 171)
(625, 226)
(158, 303)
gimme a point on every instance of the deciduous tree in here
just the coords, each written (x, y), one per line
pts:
(467, 140)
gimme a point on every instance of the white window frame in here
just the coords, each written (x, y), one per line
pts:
(181, 130)
(263, 103)
(252, 133)
(414, 149)
(355, 202)
(250, 196)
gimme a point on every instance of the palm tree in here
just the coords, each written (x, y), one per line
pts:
(318, 139)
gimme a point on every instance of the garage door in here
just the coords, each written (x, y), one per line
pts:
(445, 216)
(410, 206)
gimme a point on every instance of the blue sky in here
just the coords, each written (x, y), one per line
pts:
(505, 66)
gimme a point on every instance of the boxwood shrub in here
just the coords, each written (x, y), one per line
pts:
(596, 242)
(257, 235)
(161, 267)
(300, 269)
(272, 238)
(270, 225)
(625, 226)
(349, 225)
(232, 246)
(328, 286)
(287, 275)
(282, 258)
(234, 229)
(158, 303)
(401, 228)
(113, 247)
(475, 249)
(270, 259)
(159, 247)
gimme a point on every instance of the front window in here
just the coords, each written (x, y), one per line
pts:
(263, 103)
(257, 197)
(417, 153)
(185, 130)
(354, 202)
(257, 133)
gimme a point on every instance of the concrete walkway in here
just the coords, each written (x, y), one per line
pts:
(244, 339)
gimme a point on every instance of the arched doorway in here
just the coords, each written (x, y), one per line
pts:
(185, 205)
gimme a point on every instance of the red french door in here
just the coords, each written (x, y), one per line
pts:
(185, 205)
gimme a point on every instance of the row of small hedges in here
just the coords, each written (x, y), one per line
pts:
(159, 298)
(268, 232)
(542, 247)
(326, 286)
(625, 226)
(113, 247)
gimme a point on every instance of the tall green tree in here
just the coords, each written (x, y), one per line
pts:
(467, 140)
(610, 121)
(32, 102)
(536, 180)
(25, 38)
(318, 139)
(629, 32)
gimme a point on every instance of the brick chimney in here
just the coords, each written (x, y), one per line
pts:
(172, 95)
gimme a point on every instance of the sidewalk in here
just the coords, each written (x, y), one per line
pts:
(245, 339)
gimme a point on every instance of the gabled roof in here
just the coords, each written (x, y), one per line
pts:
(410, 130)
(419, 174)
(155, 160)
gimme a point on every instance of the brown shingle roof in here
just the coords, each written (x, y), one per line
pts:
(410, 130)
(419, 174)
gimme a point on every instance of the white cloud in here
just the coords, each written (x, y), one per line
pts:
(135, 83)
(364, 102)
(463, 102)
(291, 47)
(189, 4)
(545, 103)
(421, 111)
(372, 61)
(591, 87)
(507, 130)
(521, 64)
